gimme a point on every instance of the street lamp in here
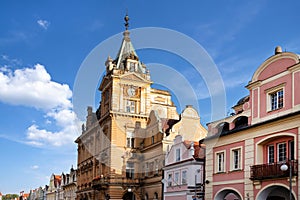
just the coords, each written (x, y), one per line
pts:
(284, 167)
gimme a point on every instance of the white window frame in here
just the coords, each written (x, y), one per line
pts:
(184, 177)
(278, 153)
(177, 178)
(217, 169)
(130, 170)
(233, 166)
(129, 140)
(270, 92)
(268, 149)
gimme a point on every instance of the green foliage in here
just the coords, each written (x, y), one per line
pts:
(10, 196)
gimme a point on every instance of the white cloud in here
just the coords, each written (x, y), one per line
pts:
(33, 87)
(43, 23)
(10, 61)
(34, 167)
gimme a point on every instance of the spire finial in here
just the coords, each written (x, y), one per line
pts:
(126, 18)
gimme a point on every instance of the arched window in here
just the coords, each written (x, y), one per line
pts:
(155, 195)
(223, 127)
(241, 122)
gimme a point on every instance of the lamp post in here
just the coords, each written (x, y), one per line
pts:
(284, 167)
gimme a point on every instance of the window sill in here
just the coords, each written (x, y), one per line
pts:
(270, 111)
(235, 170)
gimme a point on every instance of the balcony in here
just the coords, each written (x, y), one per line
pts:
(102, 183)
(270, 171)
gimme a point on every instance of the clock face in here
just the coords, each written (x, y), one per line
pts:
(131, 91)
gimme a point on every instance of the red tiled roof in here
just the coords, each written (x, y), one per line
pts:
(199, 152)
(57, 180)
(25, 195)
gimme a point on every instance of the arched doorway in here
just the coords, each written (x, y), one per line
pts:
(275, 192)
(228, 194)
(129, 196)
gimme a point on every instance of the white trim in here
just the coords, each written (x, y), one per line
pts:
(258, 103)
(240, 149)
(271, 91)
(293, 91)
(228, 182)
(217, 161)
(277, 148)
(277, 114)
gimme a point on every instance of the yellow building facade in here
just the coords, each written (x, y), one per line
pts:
(123, 144)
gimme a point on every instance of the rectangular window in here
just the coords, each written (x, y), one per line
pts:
(170, 179)
(130, 170)
(276, 99)
(220, 162)
(236, 153)
(151, 166)
(147, 169)
(176, 178)
(130, 142)
(130, 139)
(281, 152)
(184, 177)
(130, 106)
(271, 154)
(152, 139)
(177, 155)
(156, 166)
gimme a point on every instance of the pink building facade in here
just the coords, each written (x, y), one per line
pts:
(248, 151)
(184, 170)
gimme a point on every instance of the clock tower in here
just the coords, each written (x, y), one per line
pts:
(108, 167)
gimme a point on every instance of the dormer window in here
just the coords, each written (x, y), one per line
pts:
(276, 99)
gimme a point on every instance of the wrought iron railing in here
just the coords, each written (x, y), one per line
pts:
(269, 171)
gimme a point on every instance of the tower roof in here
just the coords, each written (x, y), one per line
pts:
(127, 51)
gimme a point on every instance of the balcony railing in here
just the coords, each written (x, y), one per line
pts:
(269, 171)
(102, 183)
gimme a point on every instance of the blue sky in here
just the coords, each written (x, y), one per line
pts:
(43, 44)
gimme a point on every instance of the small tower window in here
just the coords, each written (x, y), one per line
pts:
(132, 67)
(130, 106)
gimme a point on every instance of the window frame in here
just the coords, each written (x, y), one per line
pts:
(268, 153)
(170, 179)
(177, 178)
(274, 90)
(239, 163)
(130, 106)
(184, 177)
(217, 163)
(130, 170)
(278, 152)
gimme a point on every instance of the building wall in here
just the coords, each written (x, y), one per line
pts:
(265, 127)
